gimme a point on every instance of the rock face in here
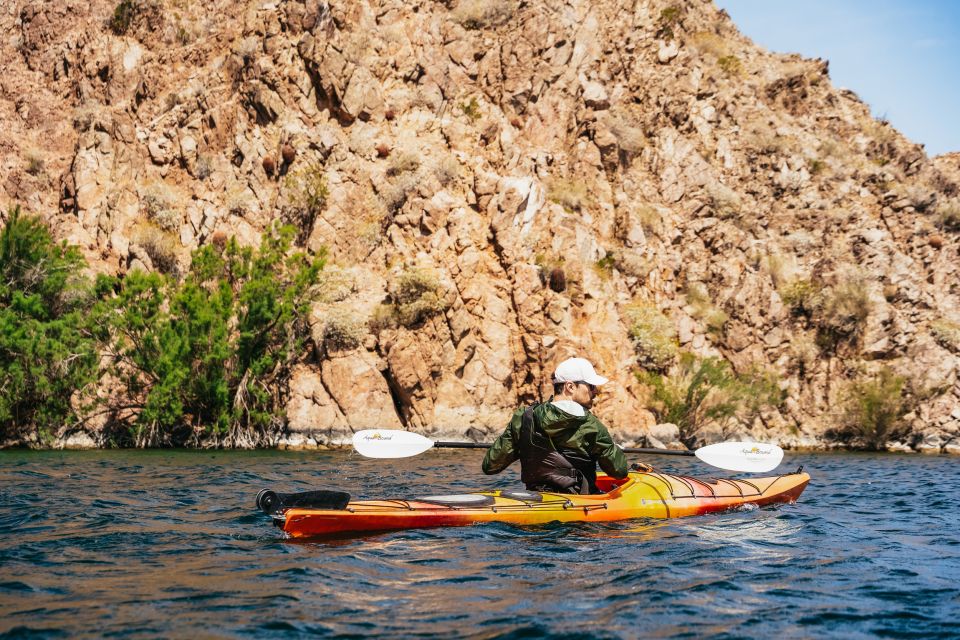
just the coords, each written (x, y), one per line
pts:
(551, 168)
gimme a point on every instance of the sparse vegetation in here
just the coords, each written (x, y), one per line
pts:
(713, 317)
(160, 245)
(843, 314)
(415, 296)
(872, 410)
(724, 201)
(471, 109)
(702, 391)
(730, 65)
(948, 215)
(803, 297)
(159, 204)
(947, 333)
(484, 14)
(35, 164)
(404, 161)
(572, 195)
(306, 193)
(343, 330)
(653, 334)
(123, 15)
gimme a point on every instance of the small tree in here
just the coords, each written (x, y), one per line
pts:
(701, 391)
(46, 351)
(208, 359)
(872, 410)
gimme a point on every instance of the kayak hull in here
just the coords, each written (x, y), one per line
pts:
(641, 495)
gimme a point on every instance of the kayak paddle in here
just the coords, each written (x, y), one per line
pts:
(749, 457)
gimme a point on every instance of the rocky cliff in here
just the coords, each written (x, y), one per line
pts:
(503, 184)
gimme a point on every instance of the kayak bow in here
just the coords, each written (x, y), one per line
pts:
(649, 494)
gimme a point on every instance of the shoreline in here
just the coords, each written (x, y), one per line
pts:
(304, 442)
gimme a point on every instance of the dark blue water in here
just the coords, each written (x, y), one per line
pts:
(168, 544)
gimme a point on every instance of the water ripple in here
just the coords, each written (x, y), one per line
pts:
(158, 544)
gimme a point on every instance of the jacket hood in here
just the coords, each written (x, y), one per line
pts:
(556, 422)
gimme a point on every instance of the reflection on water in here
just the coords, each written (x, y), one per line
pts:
(168, 544)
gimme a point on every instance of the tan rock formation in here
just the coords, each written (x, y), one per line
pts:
(550, 163)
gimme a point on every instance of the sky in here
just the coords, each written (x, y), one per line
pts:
(901, 57)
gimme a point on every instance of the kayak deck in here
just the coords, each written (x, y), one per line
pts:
(647, 494)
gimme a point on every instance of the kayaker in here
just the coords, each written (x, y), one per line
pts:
(559, 442)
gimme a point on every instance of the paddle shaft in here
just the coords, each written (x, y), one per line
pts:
(483, 445)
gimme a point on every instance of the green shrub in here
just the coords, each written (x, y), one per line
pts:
(123, 15)
(702, 391)
(803, 297)
(207, 360)
(730, 65)
(46, 351)
(471, 109)
(872, 410)
(653, 334)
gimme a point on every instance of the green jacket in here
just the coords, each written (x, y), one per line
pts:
(585, 435)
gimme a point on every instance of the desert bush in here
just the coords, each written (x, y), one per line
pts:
(947, 334)
(730, 65)
(335, 285)
(306, 193)
(417, 295)
(704, 310)
(948, 215)
(343, 329)
(159, 203)
(404, 161)
(843, 313)
(471, 109)
(803, 297)
(872, 410)
(160, 245)
(653, 334)
(123, 15)
(446, 169)
(703, 391)
(483, 14)
(35, 163)
(46, 351)
(572, 195)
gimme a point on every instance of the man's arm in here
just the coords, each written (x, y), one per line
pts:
(609, 455)
(503, 451)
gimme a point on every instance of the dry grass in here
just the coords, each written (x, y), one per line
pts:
(572, 195)
(160, 245)
(653, 334)
(484, 14)
(159, 203)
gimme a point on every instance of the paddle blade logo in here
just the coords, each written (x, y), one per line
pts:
(376, 436)
(757, 451)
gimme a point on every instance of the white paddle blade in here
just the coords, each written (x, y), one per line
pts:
(750, 457)
(390, 443)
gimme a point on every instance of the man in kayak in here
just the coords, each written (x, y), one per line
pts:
(559, 443)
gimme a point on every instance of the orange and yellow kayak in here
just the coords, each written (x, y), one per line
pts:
(645, 494)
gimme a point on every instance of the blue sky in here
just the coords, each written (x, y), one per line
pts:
(902, 58)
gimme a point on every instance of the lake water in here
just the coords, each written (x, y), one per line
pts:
(168, 544)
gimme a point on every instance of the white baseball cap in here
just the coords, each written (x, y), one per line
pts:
(578, 370)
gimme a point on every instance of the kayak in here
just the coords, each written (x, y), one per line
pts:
(643, 494)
